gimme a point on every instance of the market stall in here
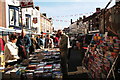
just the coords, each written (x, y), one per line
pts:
(101, 57)
(43, 64)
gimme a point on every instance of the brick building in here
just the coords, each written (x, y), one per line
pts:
(2, 14)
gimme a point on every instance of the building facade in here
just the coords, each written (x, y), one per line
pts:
(78, 27)
(12, 14)
(46, 24)
(31, 19)
(2, 14)
(18, 17)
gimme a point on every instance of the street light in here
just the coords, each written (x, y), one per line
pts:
(104, 16)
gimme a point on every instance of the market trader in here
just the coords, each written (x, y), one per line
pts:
(11, 50)
(64, 45)
(23, 43)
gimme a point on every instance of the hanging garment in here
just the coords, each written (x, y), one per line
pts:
(2, 44)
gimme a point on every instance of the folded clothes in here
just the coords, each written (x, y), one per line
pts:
(47, 70)
(38, 72)
(34, 63)
(48, 66)
(49, 63)
(32, 67)
(29, 71)
(56, 65)
(56, 69)
(47, 75)
(40, 68)
(57, 72)
(40, 65)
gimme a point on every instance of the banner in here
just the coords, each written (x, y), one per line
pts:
(26, 3)
(72, 15)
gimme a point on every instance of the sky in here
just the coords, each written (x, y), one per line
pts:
(62, 11)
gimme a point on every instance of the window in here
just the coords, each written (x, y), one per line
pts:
(17, 17)
(28, 20)
(13, 16)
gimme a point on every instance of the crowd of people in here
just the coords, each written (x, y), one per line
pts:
(21, 46)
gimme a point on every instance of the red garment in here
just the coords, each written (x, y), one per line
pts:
(2, 44)
(56, 39)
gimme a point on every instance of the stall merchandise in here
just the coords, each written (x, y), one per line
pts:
(101, 55)
(37, 67)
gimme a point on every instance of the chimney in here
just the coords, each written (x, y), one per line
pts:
(97, 10)
(37, 7)
(71, 21)
(44, 14)
(50, 18)
(117, 1)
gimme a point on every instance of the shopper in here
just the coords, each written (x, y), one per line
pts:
(55, 40)
(48, 42)
(11, 50)
(38, 42)
(42, 41)
(64, 43)
(58, 34)
(2, 44)
(23, 44)
(33, 44)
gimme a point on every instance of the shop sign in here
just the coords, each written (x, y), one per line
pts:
(34, 20)
(26, 3)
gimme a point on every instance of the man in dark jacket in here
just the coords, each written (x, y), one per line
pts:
(23, 44)
(64, 45)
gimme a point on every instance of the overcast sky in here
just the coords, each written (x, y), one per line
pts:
(59, 8)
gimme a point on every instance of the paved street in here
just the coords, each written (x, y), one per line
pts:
(75, 69)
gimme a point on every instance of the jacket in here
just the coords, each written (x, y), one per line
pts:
(26, 42)
(11, 51)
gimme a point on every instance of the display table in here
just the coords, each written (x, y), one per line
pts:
(43, 64)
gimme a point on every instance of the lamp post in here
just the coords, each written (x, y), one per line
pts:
(104, 15)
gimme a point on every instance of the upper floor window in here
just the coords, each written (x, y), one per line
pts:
(13, 16)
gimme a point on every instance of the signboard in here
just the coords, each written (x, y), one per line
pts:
(34, 20)
(26, 3)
